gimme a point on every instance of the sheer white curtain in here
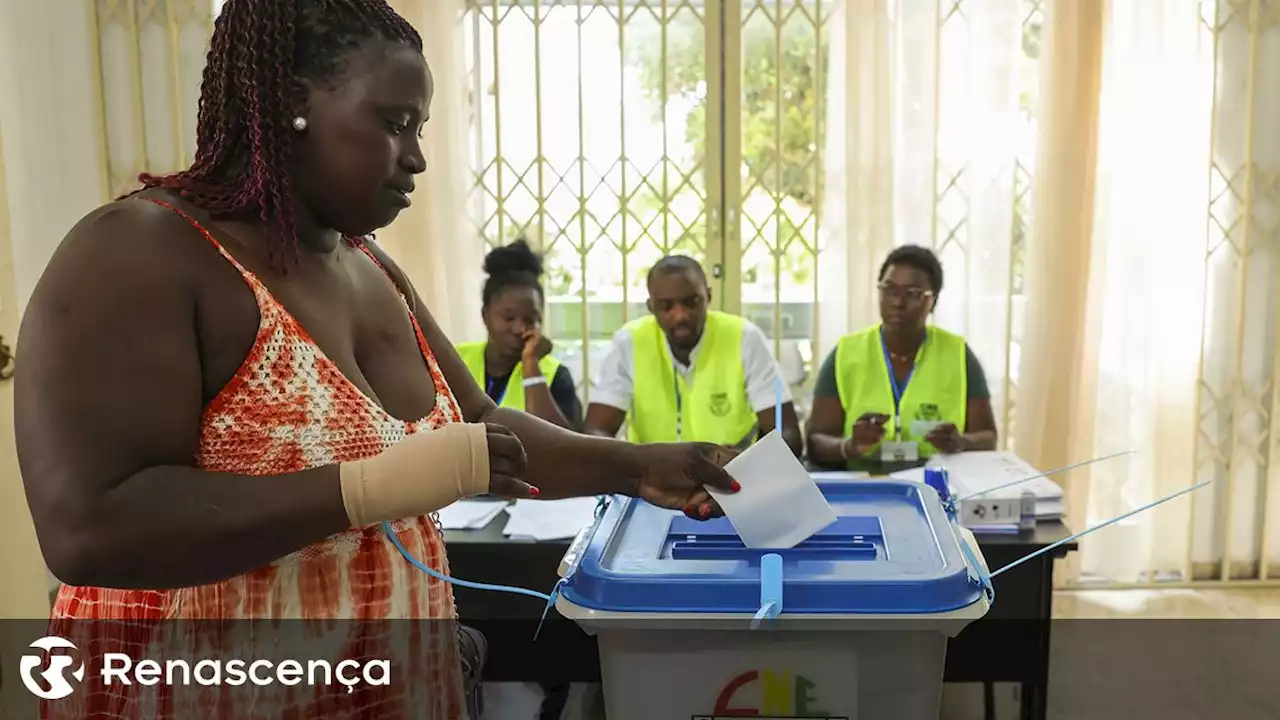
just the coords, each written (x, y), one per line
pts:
(1152, 283)
(1058, 377)
(922, 135)
(858, 212)
(433, 240)
(1146, 281)
(1235, 525)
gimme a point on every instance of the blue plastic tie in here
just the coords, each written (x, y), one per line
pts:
(980, 575)
(550, 599)
(777, 407)
(770, 589)
(939, 479)
(1082, 533)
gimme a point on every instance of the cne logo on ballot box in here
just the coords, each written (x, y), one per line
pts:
(769, 695)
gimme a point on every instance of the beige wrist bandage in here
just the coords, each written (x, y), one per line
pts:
(421, 474)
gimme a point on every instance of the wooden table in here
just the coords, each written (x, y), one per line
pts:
(1010, 644)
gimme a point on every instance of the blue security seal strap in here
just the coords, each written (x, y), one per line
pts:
(938, 479)
(770, 589)
(980, 576)
(551, 600)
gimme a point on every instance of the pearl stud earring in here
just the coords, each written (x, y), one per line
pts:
(299, 124)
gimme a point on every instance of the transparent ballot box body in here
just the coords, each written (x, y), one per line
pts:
(867, 607)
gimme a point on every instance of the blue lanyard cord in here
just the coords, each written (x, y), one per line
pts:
(898, 390)
(675, 381)
(489, 385)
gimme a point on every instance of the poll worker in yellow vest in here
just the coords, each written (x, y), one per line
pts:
(515, 366)
(685, 372)
(901, 390)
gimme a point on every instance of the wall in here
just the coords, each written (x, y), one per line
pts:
(51, 160)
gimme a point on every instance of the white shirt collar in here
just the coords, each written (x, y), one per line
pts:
(693, 354)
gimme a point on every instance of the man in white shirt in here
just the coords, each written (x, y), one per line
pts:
(688, 373)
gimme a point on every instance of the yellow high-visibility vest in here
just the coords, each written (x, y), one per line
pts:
(936, 391)
(513, 397)
(715, 410)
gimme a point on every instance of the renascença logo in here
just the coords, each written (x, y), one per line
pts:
(55, 675)
(121, 668)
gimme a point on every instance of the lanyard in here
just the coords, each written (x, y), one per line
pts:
(489, 385)
(898, 390)
(675, 380)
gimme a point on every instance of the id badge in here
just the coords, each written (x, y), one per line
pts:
(899, 451)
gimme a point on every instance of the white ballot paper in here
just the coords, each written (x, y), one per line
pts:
(779, 505)
(470, 514)
(550, 519)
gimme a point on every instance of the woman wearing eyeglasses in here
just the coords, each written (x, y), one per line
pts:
(901, 390)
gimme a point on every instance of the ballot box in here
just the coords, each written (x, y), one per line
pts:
(852, 622)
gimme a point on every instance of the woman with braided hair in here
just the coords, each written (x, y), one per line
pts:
(228, 389)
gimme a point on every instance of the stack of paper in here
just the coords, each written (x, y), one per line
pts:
(470, 514)
(549, 519)
(976, 472)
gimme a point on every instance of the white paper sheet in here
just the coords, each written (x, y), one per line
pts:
(973, 472)
(470, 514)
(549, 519)
(779, 505)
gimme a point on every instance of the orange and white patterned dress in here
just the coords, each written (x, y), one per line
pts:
(288, 408)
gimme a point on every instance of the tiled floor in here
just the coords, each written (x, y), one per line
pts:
(1168, 654)
(1226, 604)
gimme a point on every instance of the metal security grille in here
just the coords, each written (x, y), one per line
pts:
(610, 132)
(1238, 417)
(596, 138)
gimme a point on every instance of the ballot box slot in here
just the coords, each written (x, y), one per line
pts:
(847, 539)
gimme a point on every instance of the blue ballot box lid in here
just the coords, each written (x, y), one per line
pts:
(891, 550)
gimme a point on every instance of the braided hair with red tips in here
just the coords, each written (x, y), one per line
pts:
(260, 53)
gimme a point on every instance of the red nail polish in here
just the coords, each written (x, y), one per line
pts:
(534, 491)
(735, 486)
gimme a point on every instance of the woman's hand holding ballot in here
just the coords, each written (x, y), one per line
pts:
(676, 476)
